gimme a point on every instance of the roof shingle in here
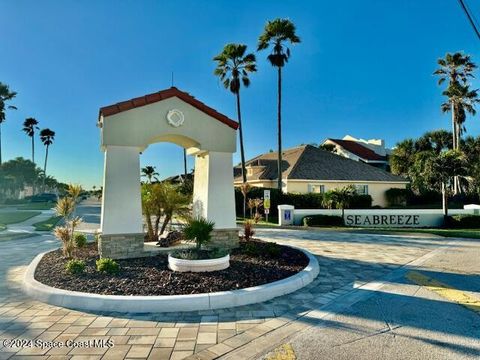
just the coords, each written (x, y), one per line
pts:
(308, 162)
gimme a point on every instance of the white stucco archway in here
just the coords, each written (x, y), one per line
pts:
(128, 128)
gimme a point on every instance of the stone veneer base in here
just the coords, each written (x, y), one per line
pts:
(226, 238)
(167, 303)
(121, 246)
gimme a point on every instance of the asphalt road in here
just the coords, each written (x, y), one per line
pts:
(405, 320)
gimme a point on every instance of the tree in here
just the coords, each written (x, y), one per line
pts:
(15, 174)
(402, 157)
(461, 100)
(150, 173)
(29, 127)
(245, 188)
(5, 95)
(340, 198)
(47, 136)
(275, 35)
(456, 69)
(162, 200)
(328, 147)
(443, 168)
(233, 68)
(174, 203)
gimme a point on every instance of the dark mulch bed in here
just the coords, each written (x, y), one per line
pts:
(151, 276)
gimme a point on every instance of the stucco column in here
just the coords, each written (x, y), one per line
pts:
(121, 222)
(213, 194)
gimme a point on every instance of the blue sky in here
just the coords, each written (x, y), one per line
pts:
(363, 68)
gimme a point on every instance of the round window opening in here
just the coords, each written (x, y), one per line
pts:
(175, 118)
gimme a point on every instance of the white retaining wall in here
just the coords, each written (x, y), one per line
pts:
(288, 215)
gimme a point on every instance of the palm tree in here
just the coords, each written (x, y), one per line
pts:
(29, 127)
(461, 100)
(340, 198)
(47, 136)
(233, 67)
(456, 69)
(5, 95)
(443, 167)
(275, 35)
(150, 173)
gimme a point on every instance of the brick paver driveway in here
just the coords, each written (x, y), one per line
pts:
(345, 259)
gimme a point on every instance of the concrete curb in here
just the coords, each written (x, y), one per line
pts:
(167, 303)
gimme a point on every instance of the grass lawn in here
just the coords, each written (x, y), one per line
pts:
(15, 236)
(36, 206)
(13, 217)
(465, 233)
(271, 221)
(48, 224)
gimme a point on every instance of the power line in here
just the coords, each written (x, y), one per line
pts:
(469, 16)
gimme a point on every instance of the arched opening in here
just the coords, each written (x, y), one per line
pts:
(128, 129)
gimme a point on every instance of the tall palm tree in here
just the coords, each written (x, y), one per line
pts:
(150, 173)
(456, 69)
(275, 35)
(233, 68)
(461, 100)
(5, 95)
(47, 136)
(29, 127)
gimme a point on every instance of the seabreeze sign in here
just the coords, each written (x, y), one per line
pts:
(394, 220)
(381, 217)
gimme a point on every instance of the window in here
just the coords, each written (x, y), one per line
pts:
(249, 171)
(362, 189)
(316, 188)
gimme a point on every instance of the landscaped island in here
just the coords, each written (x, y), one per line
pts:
(253, 263)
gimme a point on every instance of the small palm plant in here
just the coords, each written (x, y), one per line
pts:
(66, 209)
(199, 230)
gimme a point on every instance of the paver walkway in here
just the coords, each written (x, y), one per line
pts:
(345, 260)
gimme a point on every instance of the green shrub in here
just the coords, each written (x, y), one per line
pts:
(361, 202)
(300, 201)
(323, 220)
(75, 267)
(463, 222)
(251, 249)
(80, 240)
(199, 231)
(273, 250)
(396, 197)
(108, 266)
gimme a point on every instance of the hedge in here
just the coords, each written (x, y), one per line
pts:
(323, 220)
(300, 201)
(396, 197)
(463, 222)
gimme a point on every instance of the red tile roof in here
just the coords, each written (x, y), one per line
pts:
(162, 95)
(359, 150)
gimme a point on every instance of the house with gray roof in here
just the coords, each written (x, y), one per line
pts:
(308, 168)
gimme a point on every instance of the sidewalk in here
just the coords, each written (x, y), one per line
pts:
(346, 260)
(400, 318)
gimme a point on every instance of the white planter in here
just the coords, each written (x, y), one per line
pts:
(183, 265)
